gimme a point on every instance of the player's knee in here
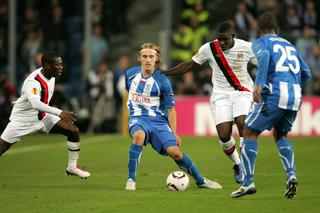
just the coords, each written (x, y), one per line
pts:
(175, 154)
(279, 135)
(249, 134)
(139, 137)
(224, 137)
(74, 134)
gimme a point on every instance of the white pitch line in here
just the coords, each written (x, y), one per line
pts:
(59, 144)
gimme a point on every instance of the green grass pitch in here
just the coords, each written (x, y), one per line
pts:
(32, 178)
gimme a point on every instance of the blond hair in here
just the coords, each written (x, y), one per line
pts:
(152, 47)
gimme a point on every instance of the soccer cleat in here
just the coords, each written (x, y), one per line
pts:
(238, 174)
(78, 172)
(131, 185)
(291, 189)
(209, 184)
(244, 190)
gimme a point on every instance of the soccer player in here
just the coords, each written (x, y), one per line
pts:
(153, 117)
(232, 85)
(277, 93)
(31, 112)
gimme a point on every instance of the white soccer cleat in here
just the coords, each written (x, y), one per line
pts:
(209, 184)
(131, 185)
(77, 172)
(244, 190)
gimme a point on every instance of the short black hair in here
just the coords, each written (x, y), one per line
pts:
(225, 27)
(267, 22)
(49, 57)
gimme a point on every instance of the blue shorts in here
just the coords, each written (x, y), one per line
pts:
(264, 116)
(158, 132)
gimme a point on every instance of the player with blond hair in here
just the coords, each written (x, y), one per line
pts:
(153, 117)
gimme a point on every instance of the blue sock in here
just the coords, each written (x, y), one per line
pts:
(287, 156)
(134, 159)
(248, 158)
(187, 165)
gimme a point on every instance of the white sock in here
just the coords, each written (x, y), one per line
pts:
(241, 144)
(73, 154)
(229, 148)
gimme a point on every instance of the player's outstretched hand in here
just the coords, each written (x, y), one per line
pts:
(70, 117)
(257, 94)
(179, 141)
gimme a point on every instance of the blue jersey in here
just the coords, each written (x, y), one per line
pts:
(281, 72)
(149, 96)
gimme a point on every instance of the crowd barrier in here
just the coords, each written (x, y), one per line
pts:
(195, 117)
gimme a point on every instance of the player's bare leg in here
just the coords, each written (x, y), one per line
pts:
(4, 146)
(185, 163)
(135, 152)
(73, 143)
(248, 158)
(286, 153)
(228, 145)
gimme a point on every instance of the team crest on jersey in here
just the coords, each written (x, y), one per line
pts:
(240, 55)
(34, 91)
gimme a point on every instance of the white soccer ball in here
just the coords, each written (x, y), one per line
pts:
(177, 181)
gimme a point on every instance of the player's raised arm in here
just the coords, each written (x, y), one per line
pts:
(182, 68)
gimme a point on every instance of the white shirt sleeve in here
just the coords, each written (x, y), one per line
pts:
(253, 59)
(32, 90)
(202, 55)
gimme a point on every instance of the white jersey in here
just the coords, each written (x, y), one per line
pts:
(229, 67)
(35, 87)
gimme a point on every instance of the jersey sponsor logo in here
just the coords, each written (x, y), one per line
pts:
(34, 91)
(137, 98)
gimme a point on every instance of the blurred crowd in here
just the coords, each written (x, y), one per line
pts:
(299, 22)
(96, 94)
(58, 25)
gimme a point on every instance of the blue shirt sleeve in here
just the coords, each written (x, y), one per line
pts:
(263, 56)
(305, 70)
(167, 93)
(126, 80)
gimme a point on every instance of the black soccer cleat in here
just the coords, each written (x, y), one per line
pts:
(291, 188)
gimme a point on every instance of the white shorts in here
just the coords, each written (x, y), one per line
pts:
(16, 130)
(228, 105)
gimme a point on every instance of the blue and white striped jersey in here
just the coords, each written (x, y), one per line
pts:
(281, 71)
(149, 96)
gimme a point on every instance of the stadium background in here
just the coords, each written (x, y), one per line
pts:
(99, 39)
(32, 177)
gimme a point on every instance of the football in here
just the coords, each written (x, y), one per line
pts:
(177, 181)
